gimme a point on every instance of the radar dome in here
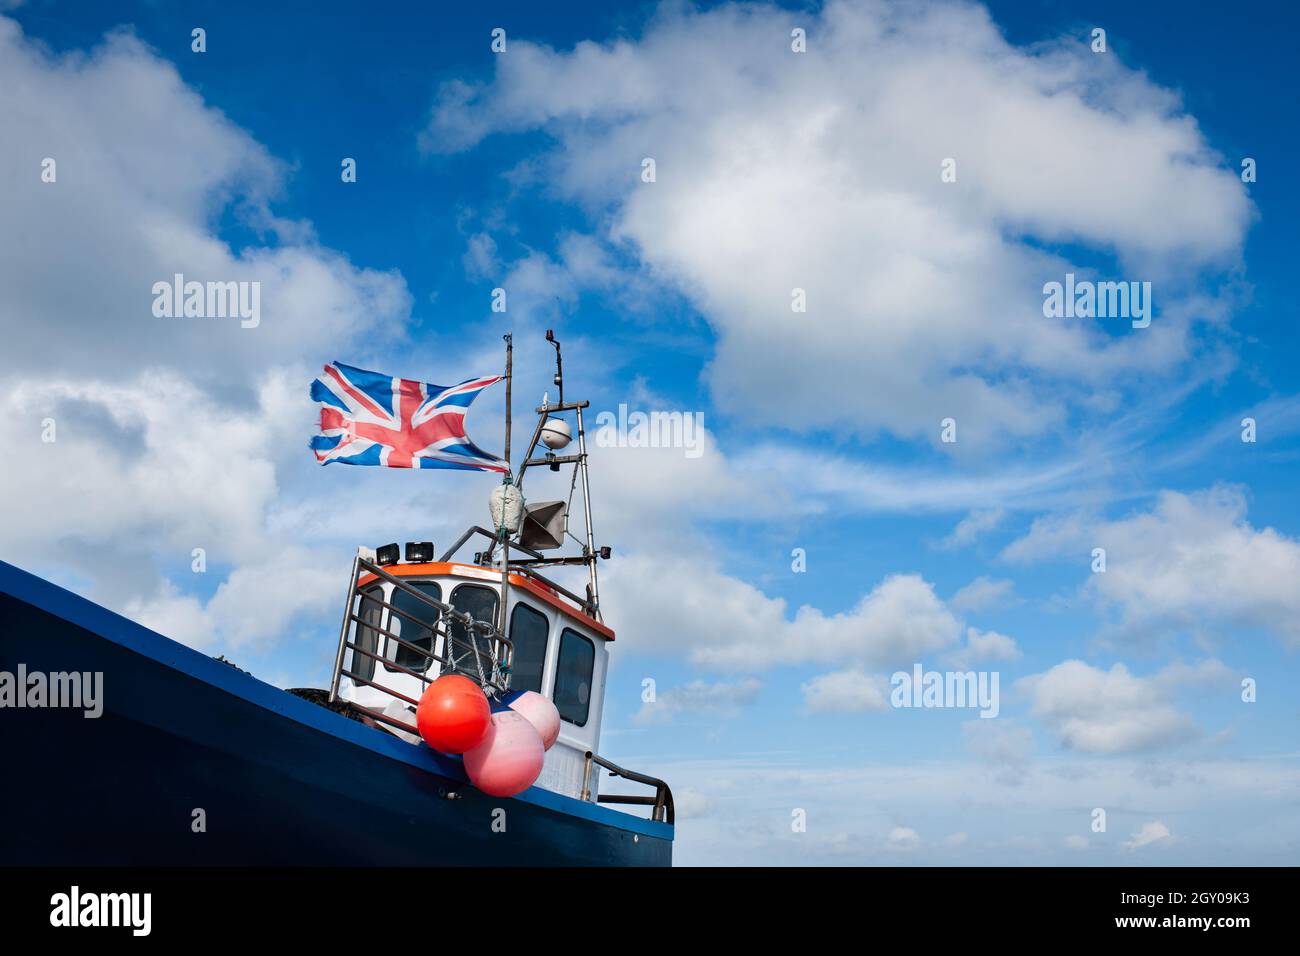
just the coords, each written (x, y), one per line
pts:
(556, 433)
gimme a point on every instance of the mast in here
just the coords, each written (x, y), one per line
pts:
(590, 553)
(500, 535)
(586, 504)
(510, 350)
(503, 534)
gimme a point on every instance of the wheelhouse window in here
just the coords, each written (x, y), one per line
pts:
(528, 631)
(365, 636)
(573, 675)
(414, 622)
(480, 603)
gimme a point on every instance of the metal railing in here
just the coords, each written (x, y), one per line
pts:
(488, 664)
(662, 801)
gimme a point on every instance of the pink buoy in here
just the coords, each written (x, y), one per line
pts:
(510, 757)
(539, 712)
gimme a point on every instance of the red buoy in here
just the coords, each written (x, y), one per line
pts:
(453, 715)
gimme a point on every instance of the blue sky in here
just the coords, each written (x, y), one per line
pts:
(774, 170)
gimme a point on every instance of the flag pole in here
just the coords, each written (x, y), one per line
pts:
(510, 347)
(502, 533)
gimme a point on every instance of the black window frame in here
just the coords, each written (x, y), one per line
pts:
(365, 635)
(546, 646)
(453, 626)
(559, 672)
(398, 650)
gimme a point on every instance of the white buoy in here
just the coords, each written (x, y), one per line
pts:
(507, 506)
(556, 433)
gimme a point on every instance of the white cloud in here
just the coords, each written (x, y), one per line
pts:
(252, 607)
(170, 434)
(685, 604)
(152, 461)
(1192, 561)
(821, 171)
(1240, 810)
(144, 169)
(691, 803)
(1150, 833)
(845, 484)
(139, 476)
(972, 526)
(480, 259)
(721, 699)
(1109, 712)
(846, 692)
(172, 614)
(983, 593)
(1210, 673)
(1003, 743)
(902, 839)
(649, 494)
(984, 647)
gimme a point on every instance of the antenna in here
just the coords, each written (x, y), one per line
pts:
(559, 364)
(546, 523)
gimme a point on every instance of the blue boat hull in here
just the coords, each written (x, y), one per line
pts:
(276, 779)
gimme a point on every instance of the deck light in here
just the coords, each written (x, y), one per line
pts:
(419, 552)
(388, 554)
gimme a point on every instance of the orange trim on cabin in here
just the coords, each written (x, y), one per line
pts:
(535, 588)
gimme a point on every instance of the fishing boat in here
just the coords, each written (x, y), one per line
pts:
(126, 748)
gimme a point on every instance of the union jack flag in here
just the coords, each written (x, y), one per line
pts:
(371, 419)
